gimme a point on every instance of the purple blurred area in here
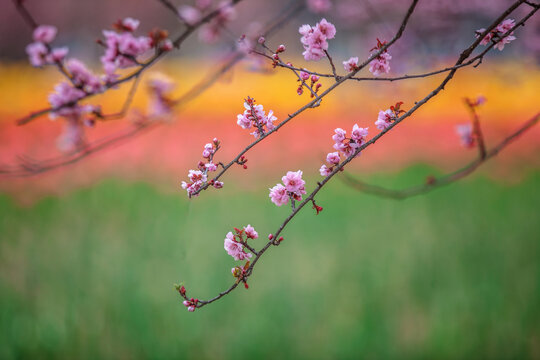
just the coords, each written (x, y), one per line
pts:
(438, 28)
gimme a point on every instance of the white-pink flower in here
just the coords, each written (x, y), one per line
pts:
(325, 171)
(278, 195)
(496, 34)
(380, 64)
(314, 39)
(333, 158)
(293, 181)
(384, 119)
(250, 232)
(234, 248)
(189, 14)
(45, 33)
(351, 64)
(359, 134)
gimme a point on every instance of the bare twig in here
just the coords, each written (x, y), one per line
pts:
(434, 183)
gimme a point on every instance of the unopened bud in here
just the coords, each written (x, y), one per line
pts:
(261, 40)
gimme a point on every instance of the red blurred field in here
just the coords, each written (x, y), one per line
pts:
(167, 152)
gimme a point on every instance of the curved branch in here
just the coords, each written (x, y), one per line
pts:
(434, 183)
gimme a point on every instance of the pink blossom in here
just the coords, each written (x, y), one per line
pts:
(340, 135)
(190, 14)
(384, 119)
(211, 32)
(255, 118)
(196, 175)
(465, 132)
(319, 6)
(211, 166)
(59, 54)
(325, 171)
(314, 39)
(45, 34)
(37, 54)
(333, 158)
(359, 134)
(130, 24)
(380, 64)
(83, 77)
(234, 248)
(278, 195)
(293, 181)
(351, 64)
(65, 94)
(304, 75)
(218, 184)
(250, 232)
(497, 33)
(203, 4)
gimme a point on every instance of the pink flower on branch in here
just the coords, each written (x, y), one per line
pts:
(45, 34)
(496, 35)
(314, 39)
(292, 188)
(198, 179)
(466, 135)
(351, 64)
(255, 119)
(235, 244)
(386, 117)
(381, 64)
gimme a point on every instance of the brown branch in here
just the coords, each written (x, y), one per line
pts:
(159, 54)
(274, 240)
(435, 183)
(477, 131)
(313, 103)
(30, 167)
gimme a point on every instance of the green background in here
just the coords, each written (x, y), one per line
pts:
(451, 274)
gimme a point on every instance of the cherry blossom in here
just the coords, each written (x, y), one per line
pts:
(351, 64)
(45, 34)
(199, 178)
(497, 33)
(292, 188)
(381, 63)
(314, 39)
(234, 247)
(386, 117)
(255, 119)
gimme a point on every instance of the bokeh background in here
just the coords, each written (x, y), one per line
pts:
(89, 253)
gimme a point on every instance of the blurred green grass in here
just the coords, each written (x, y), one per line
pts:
(454, 274)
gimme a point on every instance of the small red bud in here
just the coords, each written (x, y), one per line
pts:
(270, 236)
(182, 290)
(246, 285)
(280, 239)
(245, 166)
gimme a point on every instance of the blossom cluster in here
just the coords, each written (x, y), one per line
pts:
(351, 64)
(315, 85)
(255, 118)
(381, 64)
(344, 145)
(198, 178)
(497, 34)
(314, 39)
(39, 52)
(235, 243)
(212, 31)
(292, 188)
(122, 48)
(386, 117)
